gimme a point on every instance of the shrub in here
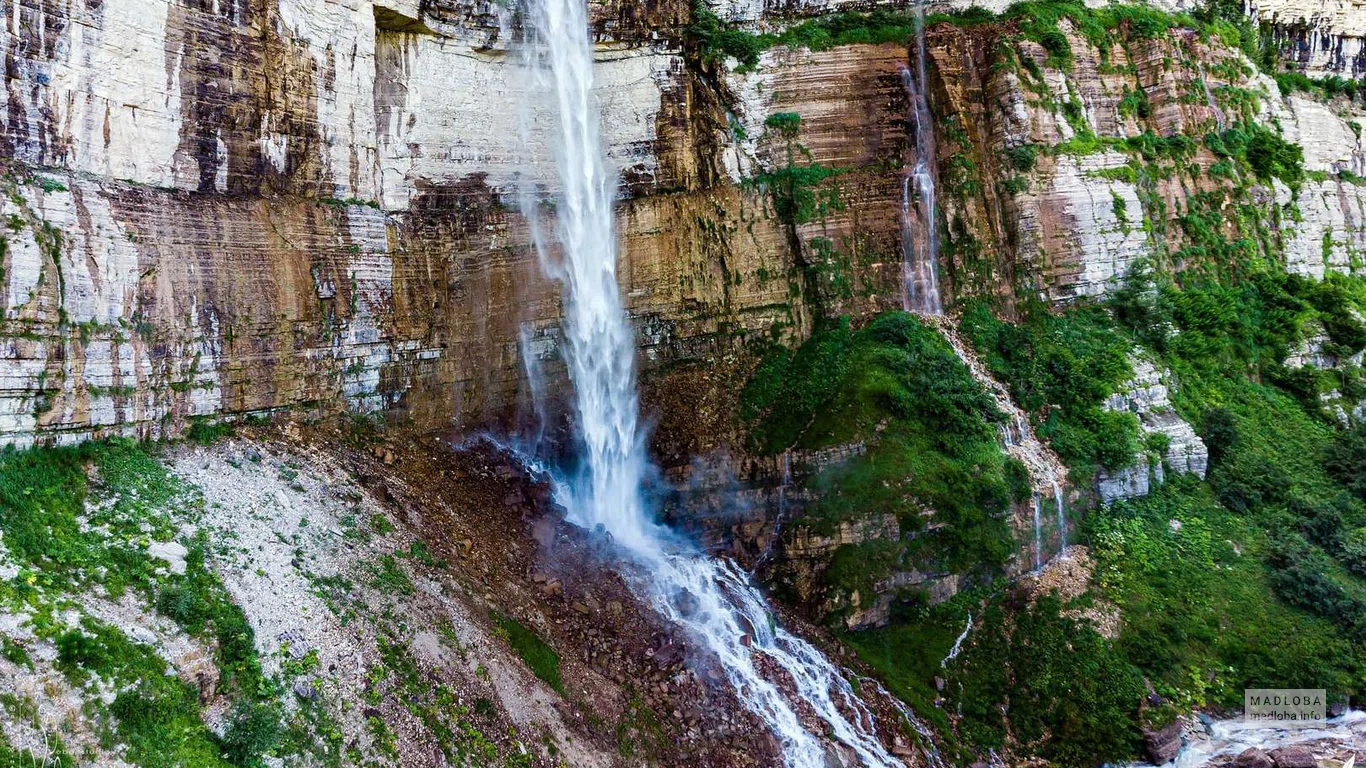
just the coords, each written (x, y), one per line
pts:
(716, 40)
(928, 427)
(1023, 157)
(1062, 368)
(253, 730)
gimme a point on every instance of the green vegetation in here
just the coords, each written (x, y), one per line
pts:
(716, 40)
(1061, 691)
(437, 706)
(390, 577)
(1275, 456)
(1060, 368)
(337, 202)
(540, 658)
(1330, 87)
(930, 436)
(1265, 153)
(1197, 598)
(798, 192)
(1252, 578)
(157, 715)
(63, 548)
(1037, 20)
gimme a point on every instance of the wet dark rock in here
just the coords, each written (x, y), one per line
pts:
(1293, 757)
(686, 603)
(1253, 758)
(1162, 744)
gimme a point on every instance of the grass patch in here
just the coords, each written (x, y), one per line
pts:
(540, 658)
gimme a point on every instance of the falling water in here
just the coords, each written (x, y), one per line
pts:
(1209, 95)
(1012, 435)
(932, 757)
(713, 600)
(1062, 515)
(920, 255)
(957, 644)
(1038, 532)
(782, 508)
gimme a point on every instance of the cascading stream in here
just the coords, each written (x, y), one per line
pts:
(919, 212)
(712, 600)
(1062, 515)
(1037, 503)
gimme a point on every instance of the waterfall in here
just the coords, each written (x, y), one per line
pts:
(786, 464)
(712, 600)
(957, 644)
(932, 757)
(1038, 532)
(1062, 515)
(920, 255)
(1209, 95)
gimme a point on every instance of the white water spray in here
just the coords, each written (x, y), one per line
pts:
(957, 644)
(712, 600)
(920, 254)
(1062, 515)
(786, 480)
(927, 745)
(1038, 532)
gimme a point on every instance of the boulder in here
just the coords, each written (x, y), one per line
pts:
(1253, 758)
(172, 552)
(1162, 744)
(1293, 757)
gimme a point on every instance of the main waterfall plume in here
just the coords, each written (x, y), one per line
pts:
(919, 210)
(712, 600)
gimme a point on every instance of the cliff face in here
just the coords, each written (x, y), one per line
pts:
(1071, 219)
(272, 205)
(284, 205)
(1318, 38)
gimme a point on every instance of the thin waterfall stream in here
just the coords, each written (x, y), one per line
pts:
(919, 210)
(1061, 510)
(1037, 503)
(712, 600)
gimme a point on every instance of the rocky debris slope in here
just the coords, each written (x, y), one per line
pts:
(1231, 744)
(360, 620)
(409, 601)
(1047, 473)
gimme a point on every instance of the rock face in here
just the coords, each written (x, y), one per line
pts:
(1163, 744)
(1039, 194)
(1294, 757)
(268, 205)
(278, 206)
(1319, 38)
(1148, 398)
(1253, 758)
